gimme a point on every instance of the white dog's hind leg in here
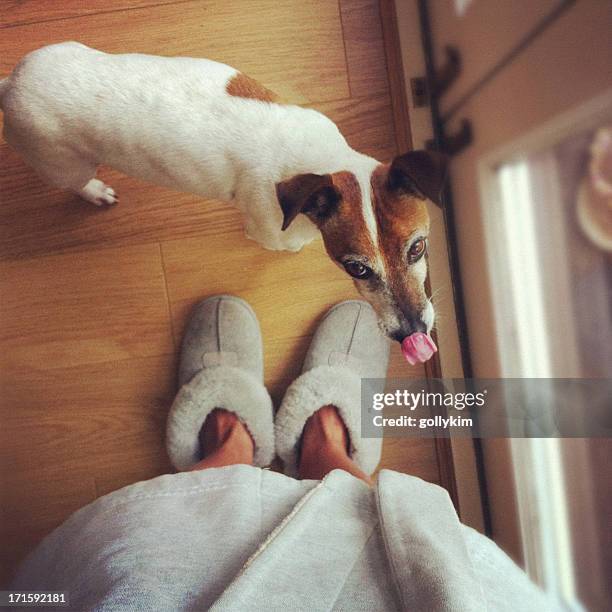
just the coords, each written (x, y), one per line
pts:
(78, 175)
(63, 167)
(98, 193)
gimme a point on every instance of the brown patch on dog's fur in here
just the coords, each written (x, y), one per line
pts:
(338, 241)
(398, 216)
(243, 86)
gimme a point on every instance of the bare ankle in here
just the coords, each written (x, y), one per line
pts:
(223, 429)
(326, 426)
(324, 432)
(325, 447)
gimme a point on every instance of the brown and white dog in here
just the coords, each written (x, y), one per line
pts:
(199, 126)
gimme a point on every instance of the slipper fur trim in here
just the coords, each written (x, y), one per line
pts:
(227, 387)
(321, 386)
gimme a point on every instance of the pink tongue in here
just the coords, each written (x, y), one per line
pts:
(418, 347)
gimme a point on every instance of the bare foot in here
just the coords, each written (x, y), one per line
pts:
(325, 429)
(325, 447)
(224, 440)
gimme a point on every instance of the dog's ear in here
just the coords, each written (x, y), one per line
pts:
(420, 172)
(312, 194)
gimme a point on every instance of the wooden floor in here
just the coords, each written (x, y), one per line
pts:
(94, 300)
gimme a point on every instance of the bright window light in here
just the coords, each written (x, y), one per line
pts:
(523, 269)
(537, 462)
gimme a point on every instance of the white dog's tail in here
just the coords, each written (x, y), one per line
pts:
(4, 85)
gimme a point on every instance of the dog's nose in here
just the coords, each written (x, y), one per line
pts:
(409, 327)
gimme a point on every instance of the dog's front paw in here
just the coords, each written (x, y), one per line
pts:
(99, 193)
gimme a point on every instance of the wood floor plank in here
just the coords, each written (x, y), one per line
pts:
(365, 52)
(33, 508)
(19, 12)
(278, 43)
(414, 456)
(92, 307)
(65, 429)
(92, 417)
(100, 441)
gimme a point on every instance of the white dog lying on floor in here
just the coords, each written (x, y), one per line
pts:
(200, 126)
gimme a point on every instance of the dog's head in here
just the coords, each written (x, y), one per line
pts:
(376, 227)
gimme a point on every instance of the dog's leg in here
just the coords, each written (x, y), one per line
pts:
(78, 175)
(98, 193)
(61, 166)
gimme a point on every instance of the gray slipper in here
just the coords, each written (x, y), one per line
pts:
(221, 366)
(346, 347)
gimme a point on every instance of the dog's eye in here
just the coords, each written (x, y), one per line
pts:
(357, 270)
(417, 250)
